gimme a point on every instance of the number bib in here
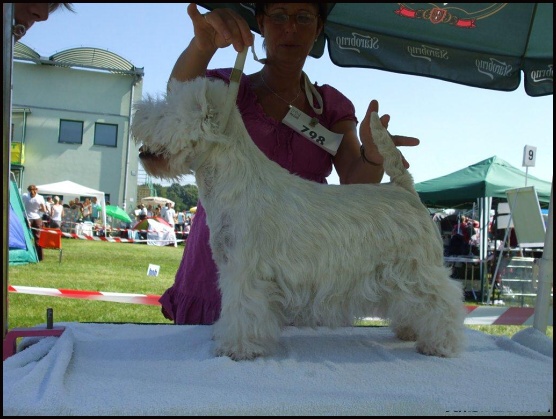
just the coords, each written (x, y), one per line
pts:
(310, 128)
(305, 125)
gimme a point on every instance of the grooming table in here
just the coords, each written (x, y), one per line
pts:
(139, 369)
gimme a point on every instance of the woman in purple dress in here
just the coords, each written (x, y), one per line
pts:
(264, 99)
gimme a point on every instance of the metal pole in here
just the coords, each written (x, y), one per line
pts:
(7, 65)
(485, 204)
(128, 144)
(546, 280)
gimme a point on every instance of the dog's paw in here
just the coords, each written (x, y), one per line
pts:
(238, 355)
(406, 334)
(446, 350)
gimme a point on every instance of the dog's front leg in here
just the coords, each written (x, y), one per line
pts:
(250, 322)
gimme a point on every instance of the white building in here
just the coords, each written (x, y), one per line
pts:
(71, 115)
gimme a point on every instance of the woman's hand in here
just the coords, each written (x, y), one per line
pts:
(219, 29)
(371, 151)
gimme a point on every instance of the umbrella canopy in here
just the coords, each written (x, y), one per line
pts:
(475, 44)
(156, 200)
(116, 212)
(489, 178)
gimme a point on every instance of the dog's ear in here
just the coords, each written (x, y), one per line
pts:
(181, 125)
(168, 124)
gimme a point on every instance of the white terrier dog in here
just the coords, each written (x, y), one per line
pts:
(294, 252)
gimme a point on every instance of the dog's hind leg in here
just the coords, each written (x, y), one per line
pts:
(430, 312)
(250, 321)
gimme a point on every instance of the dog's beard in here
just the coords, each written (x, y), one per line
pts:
(154, 164)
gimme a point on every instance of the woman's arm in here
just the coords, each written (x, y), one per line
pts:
(217, 29)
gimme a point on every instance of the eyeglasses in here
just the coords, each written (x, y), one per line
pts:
(303, 18)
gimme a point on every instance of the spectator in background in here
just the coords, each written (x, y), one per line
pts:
(56, 213)
(186, 229)
(461, 236)
(143, 213)
(68, 218)
(87, 210)
(96, 210)
(74, 212)
(48, 205)
(180, 221)
(466, 227)
(34, 207)
(76, 204)
(150, 212)
(171, 215)
(163, 210)
(136, 213)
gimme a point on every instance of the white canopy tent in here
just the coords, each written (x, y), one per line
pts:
(70, 189)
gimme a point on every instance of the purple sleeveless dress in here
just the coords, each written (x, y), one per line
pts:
(195, 298)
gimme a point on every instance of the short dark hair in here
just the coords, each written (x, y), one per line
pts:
(55, 6)
(260, 8)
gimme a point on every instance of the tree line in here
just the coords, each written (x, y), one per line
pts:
(185, 196)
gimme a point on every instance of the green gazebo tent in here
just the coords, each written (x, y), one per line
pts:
(489, 178)
(484, 182)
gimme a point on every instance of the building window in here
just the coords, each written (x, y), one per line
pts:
(71, 132)
(106, 134)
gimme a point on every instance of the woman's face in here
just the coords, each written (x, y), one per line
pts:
(290, 40)
(27, 14)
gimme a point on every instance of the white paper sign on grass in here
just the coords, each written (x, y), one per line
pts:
(153, 270)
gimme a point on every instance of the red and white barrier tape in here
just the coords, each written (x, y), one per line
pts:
(498, 315)
(98, 238)
(116, 239)
(88, 295)
(110, 239)
(107, 239)
(476, 315)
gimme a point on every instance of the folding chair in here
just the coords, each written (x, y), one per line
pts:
(51, 238)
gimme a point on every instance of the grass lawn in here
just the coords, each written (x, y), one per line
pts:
(93, 266)
(110, 267)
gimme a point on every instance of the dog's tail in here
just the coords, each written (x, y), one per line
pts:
(393, 165)
(233, 88)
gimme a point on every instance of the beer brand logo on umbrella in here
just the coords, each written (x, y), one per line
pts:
(442, 13)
